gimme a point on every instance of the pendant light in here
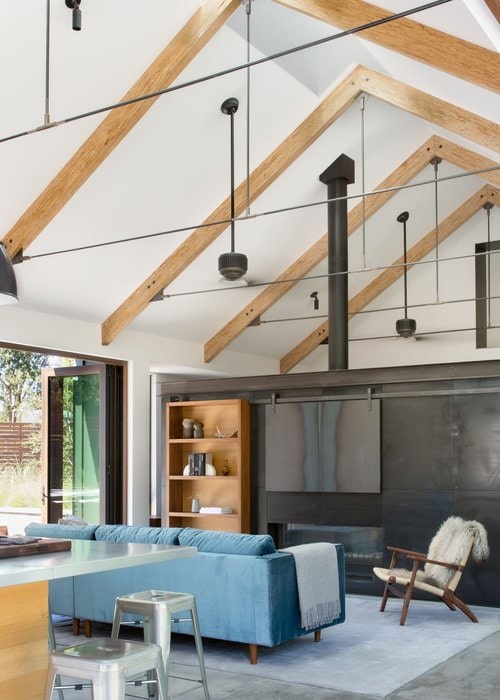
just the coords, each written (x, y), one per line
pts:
(8, 285)
(405, 327)
(232, 265)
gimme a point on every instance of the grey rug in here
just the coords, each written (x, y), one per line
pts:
(368, 654)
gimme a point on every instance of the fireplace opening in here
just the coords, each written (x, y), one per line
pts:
(361, 544)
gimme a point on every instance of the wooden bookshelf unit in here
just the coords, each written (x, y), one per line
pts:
(231, 454)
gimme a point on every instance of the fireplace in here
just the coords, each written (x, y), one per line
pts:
(360, 543)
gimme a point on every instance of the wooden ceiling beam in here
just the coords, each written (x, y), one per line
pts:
(333, 106)
(433, 109)
(408, 37)
(317, 252)
(383, 281)
(361, 79)
(451, 152)
(187, 43)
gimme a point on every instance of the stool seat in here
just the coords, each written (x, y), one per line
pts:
(107, 663)
(156, 609)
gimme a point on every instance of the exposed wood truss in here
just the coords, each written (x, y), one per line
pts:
(193, 36)
(424, 246)
(410, 38)
(360, 80)
(404, 173)
(494, 6)
(337, 102)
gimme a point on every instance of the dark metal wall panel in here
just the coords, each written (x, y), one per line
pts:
(477, 442)
(411, 517)
(417, 448)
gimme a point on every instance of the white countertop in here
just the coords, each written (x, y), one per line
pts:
(86, 557)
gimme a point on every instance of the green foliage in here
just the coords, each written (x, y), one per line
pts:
(20, 382)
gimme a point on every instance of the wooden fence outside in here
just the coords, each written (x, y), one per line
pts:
(14, 442)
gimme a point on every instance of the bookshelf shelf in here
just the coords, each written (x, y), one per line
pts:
(231, 453)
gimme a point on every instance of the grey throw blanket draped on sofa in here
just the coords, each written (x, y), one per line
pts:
(317, 583)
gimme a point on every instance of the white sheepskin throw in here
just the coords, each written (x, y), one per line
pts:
(450, 544)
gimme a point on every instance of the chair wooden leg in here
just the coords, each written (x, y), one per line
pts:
(76, 626)
(384, 597)
(408, 594)
(87, 626)
(450, 597)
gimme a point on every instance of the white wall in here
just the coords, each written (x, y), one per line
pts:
(142, 352)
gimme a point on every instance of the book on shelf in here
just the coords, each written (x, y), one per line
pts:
(197, 462)
(216, 510)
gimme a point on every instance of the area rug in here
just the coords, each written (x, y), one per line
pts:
(369, 654)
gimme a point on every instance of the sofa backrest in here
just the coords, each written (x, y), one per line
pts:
(227, 542)
(70, 532)
(143, 534)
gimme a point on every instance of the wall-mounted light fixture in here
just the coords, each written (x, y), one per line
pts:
(74, 5)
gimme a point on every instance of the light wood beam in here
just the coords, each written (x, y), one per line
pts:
(360, 80)
(193, 36)
(448, 53)
(317, 252)
(436, 145)
(469, 160)
(383, 281)
(335, 104)
(494, 6)
(433, 109)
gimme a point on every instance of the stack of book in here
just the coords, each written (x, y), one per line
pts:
(216, 510)
(197, 463)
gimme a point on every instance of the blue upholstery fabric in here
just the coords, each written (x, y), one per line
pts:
(227, 542)
(70, 532)
(245, 592)
(131, 533)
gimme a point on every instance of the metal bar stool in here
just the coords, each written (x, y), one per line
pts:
(156, 609)
(107, 663)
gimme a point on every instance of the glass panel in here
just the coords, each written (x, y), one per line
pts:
(74, 447)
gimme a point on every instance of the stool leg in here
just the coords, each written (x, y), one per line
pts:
(109, 685)
(161, 681)
(117, 615)
(49, 685)
(158, 630)
(199, 649)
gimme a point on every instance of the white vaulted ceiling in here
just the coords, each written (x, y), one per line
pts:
(167, 171)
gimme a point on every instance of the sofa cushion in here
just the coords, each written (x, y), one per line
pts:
(227, 542)
(71, 532)
(131, 533)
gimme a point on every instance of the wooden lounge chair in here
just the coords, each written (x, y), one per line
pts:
(443, 565)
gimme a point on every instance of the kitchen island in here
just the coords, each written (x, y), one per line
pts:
(24, 603)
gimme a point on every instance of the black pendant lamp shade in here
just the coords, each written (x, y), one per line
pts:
(8, 285)
(405, 327)
(232, 265)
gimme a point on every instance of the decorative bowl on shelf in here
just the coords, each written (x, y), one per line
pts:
(219, 434)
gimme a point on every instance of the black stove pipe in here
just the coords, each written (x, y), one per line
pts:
(337, 176)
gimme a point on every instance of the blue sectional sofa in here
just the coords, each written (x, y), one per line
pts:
(245, 590)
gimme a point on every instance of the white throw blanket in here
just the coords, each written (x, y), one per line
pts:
(317, 583)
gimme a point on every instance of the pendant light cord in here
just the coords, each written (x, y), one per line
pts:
(488, 207)
(46, 117)
(231, 115)
(435, 162)
(363, 203)
(248, 8)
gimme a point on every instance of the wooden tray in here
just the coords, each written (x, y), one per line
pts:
(43, 546)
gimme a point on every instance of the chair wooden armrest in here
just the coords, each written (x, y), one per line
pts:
(424, 560)
(407, 553)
